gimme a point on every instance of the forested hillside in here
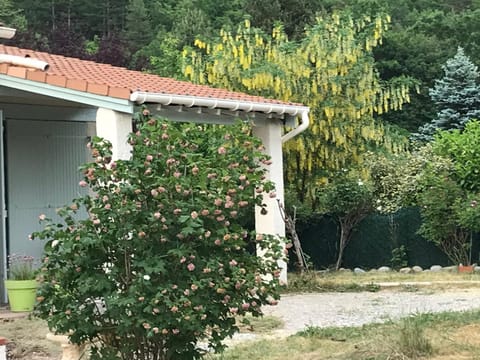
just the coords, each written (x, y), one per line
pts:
(150, 34)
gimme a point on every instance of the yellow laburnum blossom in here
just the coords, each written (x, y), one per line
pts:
(330, 70)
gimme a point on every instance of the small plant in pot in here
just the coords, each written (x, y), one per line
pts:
(21, 285)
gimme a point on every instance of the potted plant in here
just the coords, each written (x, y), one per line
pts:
(21, 284)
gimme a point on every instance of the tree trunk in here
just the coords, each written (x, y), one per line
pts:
(290, 228)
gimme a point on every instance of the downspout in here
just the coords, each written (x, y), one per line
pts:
(24, 61)
(299, 129)
(141, 97)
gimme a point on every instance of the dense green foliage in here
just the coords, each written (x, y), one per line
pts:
(161, 265)
(150, 34)
(348, 199)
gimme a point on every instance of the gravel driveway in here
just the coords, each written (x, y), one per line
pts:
(349, 309)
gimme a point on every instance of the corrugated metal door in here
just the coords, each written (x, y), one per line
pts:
(42, 160)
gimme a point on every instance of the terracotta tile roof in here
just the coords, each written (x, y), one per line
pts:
(108, 80)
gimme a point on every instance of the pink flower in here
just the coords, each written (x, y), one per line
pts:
(108, 206)
(221, 150)
(229, 204)
(194, 215)
(190, 267)
(42, 217)
(164, 136)
(233, 213)
(207, 234)
(183, 259)
(82, 183)
(177, 174)
(211, 175)
(96, 221)
(233, 263)
(272, 194)
(174, 309)
(145, 112)
(161, 189)
(146, 326)
(242, 177)
(149, 157)
(154, 193)
(245, 306)
(177, 211)
(218, 202)
(157, 215)
(186, 292)
(242, 203)
(155, 330)
(141, 298)
(205, 212)
(218, 242)
(195, 170)
(234, 310)
(175, 331)
(220, 218)
(194, 287)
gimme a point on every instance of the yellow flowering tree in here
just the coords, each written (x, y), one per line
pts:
(331, 70)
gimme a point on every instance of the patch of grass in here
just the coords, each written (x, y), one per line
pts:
(445, 336)
(345, 281)
(259, 325)
(312, 282)
(412, 341)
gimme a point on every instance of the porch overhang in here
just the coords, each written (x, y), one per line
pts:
(213, 110)
(67, 94)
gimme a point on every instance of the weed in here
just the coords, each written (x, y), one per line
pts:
(412, 341)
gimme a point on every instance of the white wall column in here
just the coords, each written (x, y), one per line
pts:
(272, 222)
(115, 126)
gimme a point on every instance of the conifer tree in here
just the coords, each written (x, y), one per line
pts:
(456, 95)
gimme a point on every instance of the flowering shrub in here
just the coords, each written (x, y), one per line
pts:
(160, 267)
(21, 267)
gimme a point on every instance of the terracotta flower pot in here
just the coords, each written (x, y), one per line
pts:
(465, 268)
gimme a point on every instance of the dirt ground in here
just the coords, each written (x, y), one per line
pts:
(331, 309)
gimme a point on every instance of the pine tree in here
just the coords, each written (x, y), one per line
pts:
(456, 95)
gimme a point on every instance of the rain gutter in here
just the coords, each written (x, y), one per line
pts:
(141, 97)
(24, 61)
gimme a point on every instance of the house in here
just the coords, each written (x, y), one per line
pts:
(51, 105)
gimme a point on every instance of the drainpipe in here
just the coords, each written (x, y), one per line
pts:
(24, 61)
(141, 97)
(299, 129)
(6, 32)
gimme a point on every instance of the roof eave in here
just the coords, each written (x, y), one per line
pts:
(81, 97)
(141, 97)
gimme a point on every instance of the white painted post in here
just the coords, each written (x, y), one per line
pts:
(3, 348)
(115, 126)
(272, 222)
